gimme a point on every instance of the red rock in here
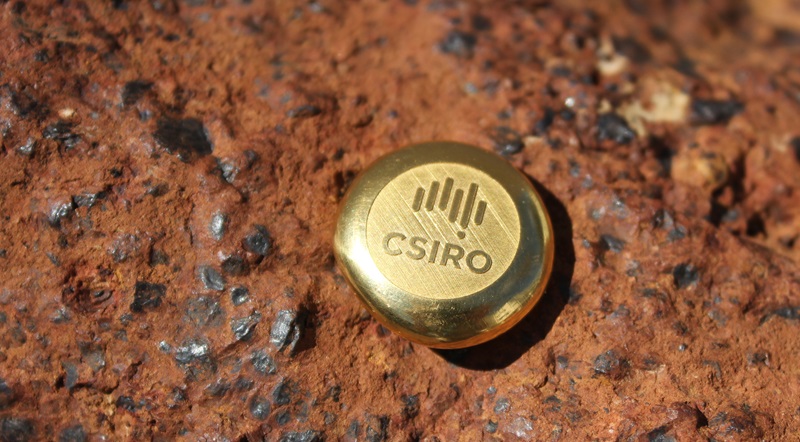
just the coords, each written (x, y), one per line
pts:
(129, 127)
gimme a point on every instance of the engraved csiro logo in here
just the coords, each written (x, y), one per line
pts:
(444, 202)
(477, 261)
(443, 230)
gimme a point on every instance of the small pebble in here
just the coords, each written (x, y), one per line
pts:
(263, 362)
(186, 138)
(706, 112)
(211, 278)
(239, 295)
(217, 225)
(242, 328)
(285, 332)
(614, 128)
(459, 43)
(258, 241)
(259, 407)
(304, 111)
(300, 436)
(147, 296)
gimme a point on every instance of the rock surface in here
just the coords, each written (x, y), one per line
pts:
(144, 140)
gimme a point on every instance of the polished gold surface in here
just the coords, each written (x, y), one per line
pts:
(444, 243)
(432, 232)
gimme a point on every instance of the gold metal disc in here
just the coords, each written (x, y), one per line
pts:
(446, 244)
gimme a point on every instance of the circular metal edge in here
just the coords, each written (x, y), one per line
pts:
(446, 323)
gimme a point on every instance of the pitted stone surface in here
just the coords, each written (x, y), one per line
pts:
(663, 135)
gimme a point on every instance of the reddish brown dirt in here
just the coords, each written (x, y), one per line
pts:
(158, 154)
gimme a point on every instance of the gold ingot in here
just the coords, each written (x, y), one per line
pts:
(445, 244)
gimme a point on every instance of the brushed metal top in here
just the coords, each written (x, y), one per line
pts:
(446, 244)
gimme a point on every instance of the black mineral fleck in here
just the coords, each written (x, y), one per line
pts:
(758, 358)
(204, 311)
(459, 43)
(705, 112)
(491, 427)
(24, 104)
(87, 199)
(187, 138)
(239, 295)
(300, 436)
(788, 312)
(235, 266)
(178, 395)
(611, 364)
(612, 127)
(218, 388)
(156, 189)
(561, 71)
(60, 211)
(259, 407)
(75, 433)
(243, 328)
(677, 234)
(28, 148)
(734, 421)
(263, 362)
(124, 246)
(304, 111)
(612, 243)
(685, 275)
(554, 401)
(93, 355)
(244, 384)
(14, 429)
(217, 225)
(7, 395)
(125, 318)
(377, 428)
(283, 417)
(354, 429)
(70, 374)
(335, 393)
(195, 355)
(795, 143)
(147, 296)
(228, 170)
(544, 123)
(61, 131)
(211, 278)
(632, 49)
(133, 91)
(660, 435)
(481, 23)
(158, 257)
(502, 405)
(258, 241)
(506, 140)
(410, 406)
(286, 330)
(127, 403)
(638, 7)
(282, 393)
(663, 219)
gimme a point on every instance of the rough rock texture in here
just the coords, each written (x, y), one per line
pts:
(169, 183)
